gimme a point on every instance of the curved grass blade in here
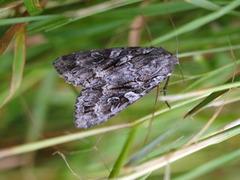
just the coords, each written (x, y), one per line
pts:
(6, 39)
(18, 65)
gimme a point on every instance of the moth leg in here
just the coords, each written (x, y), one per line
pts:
(164, 91)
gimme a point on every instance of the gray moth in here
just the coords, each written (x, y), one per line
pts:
(113, 79)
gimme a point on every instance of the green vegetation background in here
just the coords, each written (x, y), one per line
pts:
(37, 106)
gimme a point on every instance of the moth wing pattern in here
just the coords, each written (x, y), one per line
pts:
(95, 106)
(113, 79)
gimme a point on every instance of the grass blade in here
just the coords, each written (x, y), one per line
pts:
(120, 161)
(29, 147)
(198, 22)
(212, 96)
(162, 161)
(40, 107)
(210, 166)
(204, 4)
(6, 39)
(18, 64)
(150, 147)
(106, 6)
(209, 5)
(9, 4)
(33, 7)
(28, 19)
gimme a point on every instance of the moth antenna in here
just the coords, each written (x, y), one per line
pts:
(170, 17)
(177, 45)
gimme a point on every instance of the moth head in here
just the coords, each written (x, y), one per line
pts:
(68, 68)
(64, 64)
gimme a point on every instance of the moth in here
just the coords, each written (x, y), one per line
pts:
(113, 79)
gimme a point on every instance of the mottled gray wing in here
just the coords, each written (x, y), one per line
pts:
(113, 79)
(94, 106)
(85, 68)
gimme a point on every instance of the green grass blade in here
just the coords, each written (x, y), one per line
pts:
(214, 50)
(43, 108)
(125, 14)
(204, 4)
(162, 161)
(7, 4)
(150, 147)
(17, 67)
(213, 96)
(121, 159)
(28, 19)
(198, 22)
(209, 5)
(210, 166)
(159, 8)
(206, 77)
(106, 6)
(7, 37)
(29, 147)
(33, 7)
(41, 103)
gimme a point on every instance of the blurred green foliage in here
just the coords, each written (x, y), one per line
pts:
(43, 105)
